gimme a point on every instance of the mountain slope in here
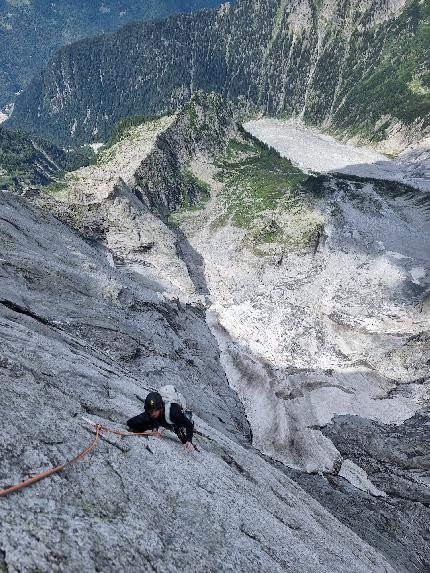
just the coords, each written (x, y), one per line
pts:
(82, 337)
(316, 289)
(337, 64)
(31, 30)
(317, 292)
(26, 160)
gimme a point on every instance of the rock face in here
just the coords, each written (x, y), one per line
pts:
(396, 458)
(306, 297)
(358, 67)
(319, 305)
(82, 337)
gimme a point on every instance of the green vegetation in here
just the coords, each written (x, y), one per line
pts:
(262, 193)
(6, 182)
(191, 181)
(276, 28)
(56, 187)
(195, 195)
(203, 113)
(255, 180)
(366, 77)
(398, 83)
(193, 117)
(417, 85)
(33, 30)
(26, 160)
(236, 148)
(124, 129)
(258, 183)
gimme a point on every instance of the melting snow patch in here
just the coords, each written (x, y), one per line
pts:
(417, 273)
(358, 478)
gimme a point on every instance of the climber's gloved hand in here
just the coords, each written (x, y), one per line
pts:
(189, 447)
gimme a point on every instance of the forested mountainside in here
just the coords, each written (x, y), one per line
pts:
(26, 160)
(31, 30)
(353, 66)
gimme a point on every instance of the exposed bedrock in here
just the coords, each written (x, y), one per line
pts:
(396, 459)
(336, 329)
(313, 302)
(341, 331)
(81, 337)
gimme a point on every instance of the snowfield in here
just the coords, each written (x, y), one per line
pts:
(314, 151)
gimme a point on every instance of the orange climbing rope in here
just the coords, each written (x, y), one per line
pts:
(77, 458)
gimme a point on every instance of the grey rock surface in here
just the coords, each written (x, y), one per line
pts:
(80, 337)
(324, 340)
(340, 329)
(396, 459)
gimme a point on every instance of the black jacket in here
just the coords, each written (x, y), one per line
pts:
(182, 426)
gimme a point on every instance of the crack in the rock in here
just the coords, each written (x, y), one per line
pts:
(3, 565)
(117, 473)
(25, 311)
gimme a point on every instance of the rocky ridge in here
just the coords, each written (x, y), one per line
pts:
(319, 305)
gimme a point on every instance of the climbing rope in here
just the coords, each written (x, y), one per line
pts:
(77, 458)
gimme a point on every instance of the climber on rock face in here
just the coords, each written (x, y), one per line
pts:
(165, 408)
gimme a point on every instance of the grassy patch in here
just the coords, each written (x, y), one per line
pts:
(56, 187)
(237, 148)
(193, 117)
(257, 182)
(262, 194)
(192, 180)
(6, 182)
(123, 129)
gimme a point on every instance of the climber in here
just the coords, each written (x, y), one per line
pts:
(166, 408)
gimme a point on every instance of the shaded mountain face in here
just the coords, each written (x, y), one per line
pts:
(26, 160)
(357, 67)
(31, 30)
